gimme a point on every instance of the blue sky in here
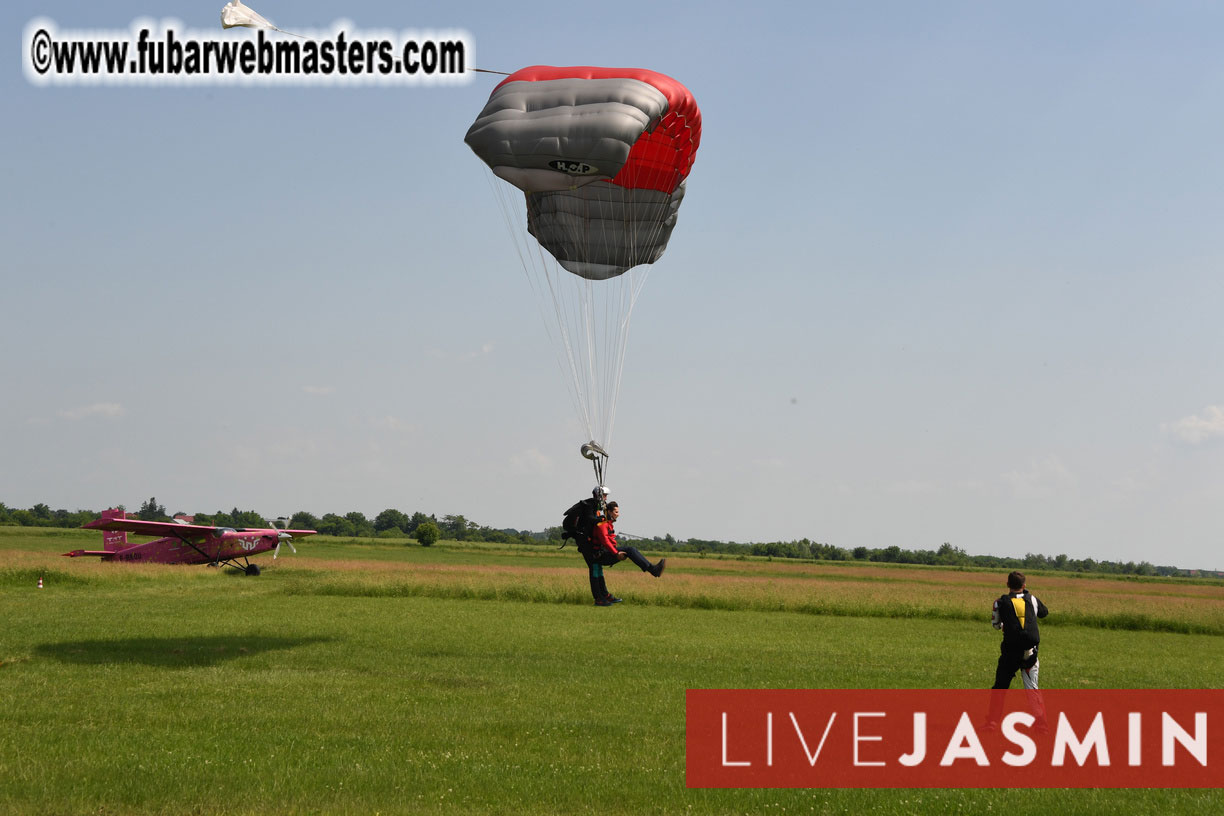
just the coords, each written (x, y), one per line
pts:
(945, 272)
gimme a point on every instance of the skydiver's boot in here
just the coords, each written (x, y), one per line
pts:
(603, 587)
(637, 558)
(643, 563)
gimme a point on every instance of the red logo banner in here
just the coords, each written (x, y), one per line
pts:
(954, 738)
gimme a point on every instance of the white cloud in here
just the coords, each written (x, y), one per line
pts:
(108, 410)
(913, 487)
(391, 423)
(462, 356)
(1198, 429)
(530, 462)
(1041, 477)
(318, 390)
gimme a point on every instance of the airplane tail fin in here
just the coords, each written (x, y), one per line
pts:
(113, 540)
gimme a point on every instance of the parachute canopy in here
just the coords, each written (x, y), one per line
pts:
(601, 155)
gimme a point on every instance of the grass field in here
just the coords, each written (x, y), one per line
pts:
(383, 678)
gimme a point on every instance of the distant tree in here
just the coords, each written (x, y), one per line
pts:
(829, 552)
(152, 511)
(417, 520)
(890, 554)
(361, 525)
(224, 519)
(861, 553)
(1035, 561)
(427, 533)
(247, 518)
(304, 521)
(391, 518)
(455, 526)
(334, 525)
(948, 554)
(217, 519)
(41, 512)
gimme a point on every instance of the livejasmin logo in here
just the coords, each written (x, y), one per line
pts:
(904, 738)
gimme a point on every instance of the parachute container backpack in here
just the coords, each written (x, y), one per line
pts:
(596, 161)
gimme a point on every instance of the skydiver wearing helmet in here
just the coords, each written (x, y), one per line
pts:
(598, 546)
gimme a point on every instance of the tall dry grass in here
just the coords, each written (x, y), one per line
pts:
(866, 591)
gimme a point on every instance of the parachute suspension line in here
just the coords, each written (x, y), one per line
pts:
(540, 269)
(503, 202)
(631, 288)
(578, 345)
(590, 319)
(634, 283)
(589, 355)
(567, 324)
(618, 368)
(603, 236)
(583, 327)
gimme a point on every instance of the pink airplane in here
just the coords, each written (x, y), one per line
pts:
(183, 543)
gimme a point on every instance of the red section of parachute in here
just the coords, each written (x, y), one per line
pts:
(660, 159)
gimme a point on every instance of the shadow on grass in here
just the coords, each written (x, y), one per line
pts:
(170, 652)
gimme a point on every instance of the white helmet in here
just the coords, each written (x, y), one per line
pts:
(599, 493)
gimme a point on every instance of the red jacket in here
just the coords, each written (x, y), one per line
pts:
(604, 537)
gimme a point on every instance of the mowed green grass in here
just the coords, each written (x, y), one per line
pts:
(392, 679)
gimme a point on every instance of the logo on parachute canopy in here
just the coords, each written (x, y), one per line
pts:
(573, 168)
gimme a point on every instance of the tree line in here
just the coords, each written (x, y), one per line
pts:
(428, 529)
(946, 556)
(390, 523)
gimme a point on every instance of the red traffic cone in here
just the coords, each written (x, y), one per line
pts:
(40, 582)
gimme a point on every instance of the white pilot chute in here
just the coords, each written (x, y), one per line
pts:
(236, 15)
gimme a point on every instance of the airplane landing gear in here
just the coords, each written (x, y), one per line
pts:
(252, 569)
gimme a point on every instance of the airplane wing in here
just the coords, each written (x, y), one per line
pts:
(98, 553)
(177, 530)
(151, 528)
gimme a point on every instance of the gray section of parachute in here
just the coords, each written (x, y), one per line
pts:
(600, 230)
(527, 127)
(559, 141)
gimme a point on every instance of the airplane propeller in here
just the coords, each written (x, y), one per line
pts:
(280, 524)
(288, 539)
